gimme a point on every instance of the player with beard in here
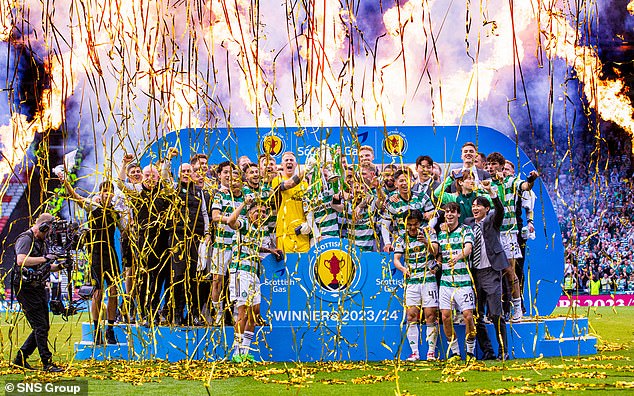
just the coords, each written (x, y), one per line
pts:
(418, 247)
(254, 185)
(103, 219)
(260, 190)
(387, 177)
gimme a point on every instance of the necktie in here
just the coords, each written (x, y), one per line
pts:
(477, 245)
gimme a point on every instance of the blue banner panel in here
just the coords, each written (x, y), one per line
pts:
(544, 256)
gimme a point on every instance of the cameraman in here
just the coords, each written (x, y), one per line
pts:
(33, 264)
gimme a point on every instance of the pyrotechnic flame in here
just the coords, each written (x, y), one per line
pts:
(458, 86)
(325, 100)
(630, 7)
(130, 67)
(604, 95)
(62, 81)
(16, 138)
(230, 28)
(19, 134)
(179, 99)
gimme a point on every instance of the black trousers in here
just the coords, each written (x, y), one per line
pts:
(187, 290)
(153, 274)
(488, 283)
(34, 302)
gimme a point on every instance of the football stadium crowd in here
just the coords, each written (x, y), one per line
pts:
(597, 221)
(593, 196)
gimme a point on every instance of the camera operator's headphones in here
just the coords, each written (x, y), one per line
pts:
(44, 227)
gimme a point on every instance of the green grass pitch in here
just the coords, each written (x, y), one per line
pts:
(611, 370)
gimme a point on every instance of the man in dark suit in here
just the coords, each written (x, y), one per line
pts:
(488, 260)
(425, 184)
(469, 154)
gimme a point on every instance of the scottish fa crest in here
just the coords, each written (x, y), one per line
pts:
(273, 144)
(334, 273)
(395, 144)
(334, 270)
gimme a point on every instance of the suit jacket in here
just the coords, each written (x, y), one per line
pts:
(418, 189)
(491, 231)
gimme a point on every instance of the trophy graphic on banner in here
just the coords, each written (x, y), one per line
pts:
(335, 265)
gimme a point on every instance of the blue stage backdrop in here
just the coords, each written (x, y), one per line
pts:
(330, 320)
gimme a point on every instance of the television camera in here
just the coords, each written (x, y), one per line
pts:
(64, 240)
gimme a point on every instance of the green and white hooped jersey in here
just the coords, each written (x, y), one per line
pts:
(326, 218)
(272, 221)
(361, 231)
(264, 196)
(452, 244)
(509, 192)
(226, 203)
(246, 252)
(417, 257)
(395, 212)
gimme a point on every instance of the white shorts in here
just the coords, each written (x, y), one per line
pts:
(421, 295)
(463, 298)
(220, 260)
(244, 288)
(510, 245)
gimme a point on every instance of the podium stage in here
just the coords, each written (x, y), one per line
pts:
(528, 339)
